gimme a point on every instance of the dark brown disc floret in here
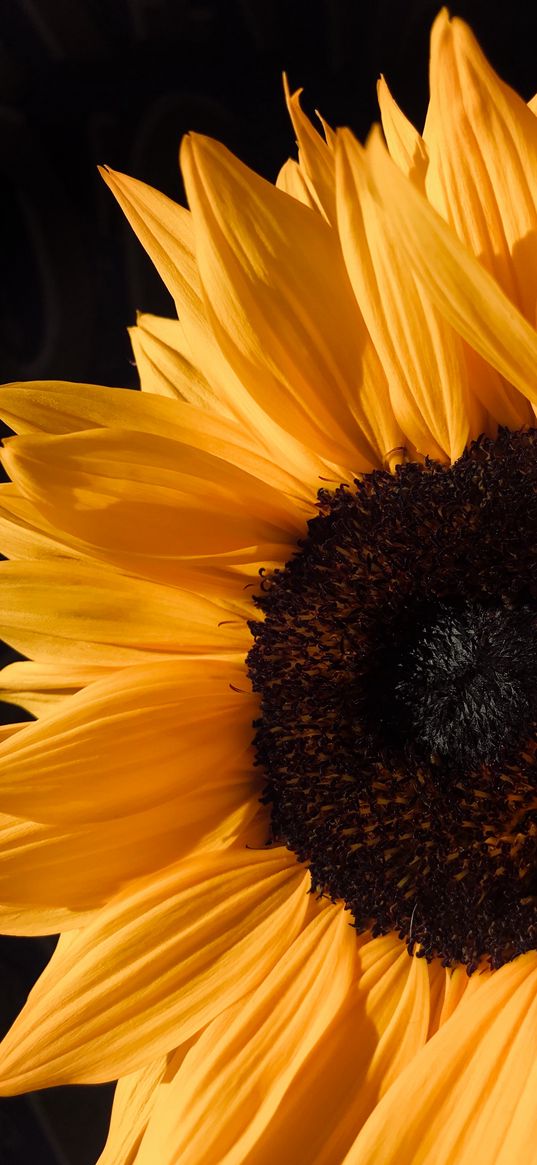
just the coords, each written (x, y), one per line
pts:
(396, 662)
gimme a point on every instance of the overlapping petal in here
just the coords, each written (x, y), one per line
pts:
(134, 1100)
(153, 217)
(422, 357)
(463, 291)
(127, 491)
(482, 175)
(131, 741)
(164, 366)
(315, 156)
(374, 1036)
(52, 875)
(155, 965)
(232, 1081)
(405, 144)
(469, 1094)
(87, 614)
(271, 271)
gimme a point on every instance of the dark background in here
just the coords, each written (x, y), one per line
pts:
(119, 82)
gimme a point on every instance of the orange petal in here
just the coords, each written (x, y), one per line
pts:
(470, 1092)
(155, 218)
(422, 357)
(232, 1081)
(482, 175)
(292, 181)
(59, 873)
(405, 144)
(465, 294)
(281, 306)
(134, 1100)
(165, 367)
(68, 611)
(120, 488)
(158, 962)
(131, 740)
(58, 407)
(315, 157)
(377, 1032)
(38, 686)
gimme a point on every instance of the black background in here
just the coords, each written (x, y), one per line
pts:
(120, 81)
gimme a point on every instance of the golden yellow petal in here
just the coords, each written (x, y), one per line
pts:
(153, 216)
(121, 489)
(422, 357)
(7, 730)
(164, 365)
(58, 407)
(315, 157)
(23, 920)
(164, 229)
(377, 1032)
(482, 175)
(466, 295)
(232, 1081)
(131, 740)
(281, 306)
(405, 144)
(134, 1100)
(292, 181)
(160, 961)
(22, 532)
(50, 870)
(469, 1093)
(66, 610)
(39, 686)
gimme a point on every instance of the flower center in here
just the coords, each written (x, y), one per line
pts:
(460, 685)
(397, 668)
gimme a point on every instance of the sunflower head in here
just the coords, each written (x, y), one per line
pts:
(280, 614)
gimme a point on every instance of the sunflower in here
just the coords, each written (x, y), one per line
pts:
(313, 940)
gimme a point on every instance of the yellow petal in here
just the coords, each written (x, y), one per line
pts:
(121, 489)
(134, 1100)
(315, 157)
(231, 1082)
(483, 162)
(281, 306)
(22, 533)
(58, 407)
(55, 406)
(422, 357)
(68, 611)
(130, 740)
(466, 295)
(164, 367)
(405, 144)
(164, 229)
(470, 1092)
(27, 533)
(7, 730)
(377, 1032)
(157, 964)
(292, 181)
(153, 217)
(49, 869)
(38, 686)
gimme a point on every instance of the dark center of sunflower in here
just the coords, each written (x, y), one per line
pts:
(459, 685)
(397, 668)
